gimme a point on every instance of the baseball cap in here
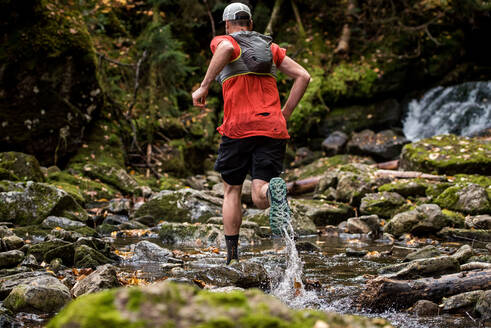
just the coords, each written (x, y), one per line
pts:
(230, 12)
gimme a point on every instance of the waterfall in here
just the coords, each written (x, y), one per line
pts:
(463, 109)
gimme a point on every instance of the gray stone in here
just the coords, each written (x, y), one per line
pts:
(428, 267)
(104, 277)
(472, 199)
(5, 231)
(462, 301)
(463, 254)
(426, 218)
(384, 145)
(115, 219)
(424, 308)
(478, 222)
(20, 166)
(334, 143)
(55, 221)
(356, 252)
(12, 242)
(86, 257)
(423, 253)
(10, 259)
(305, 246)
(355, 225)
(146, 251)
(44, 293)
(320, 212)
(120, 206)
(112, 175)
(483, 305)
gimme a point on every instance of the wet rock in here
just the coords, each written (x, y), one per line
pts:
(20, 166)
(146, 251)
(461, 302)
(5, 231)
(115, 219)
(119, 206)
(201, 308)
(384, 145)
(328, 181)
(480, 258)
(10, 259)
(483, 305)
(334, 143)
(465, 234)
(65, 235)
(304, 155)
(424, 308)
(185, 205)
(463, 254)
(384, 204)
(305, 246)
(423, 253)
(447, 154)
(102, 278)
(244, 274)
(246, 195)
(54, 221)
(112, 175)
(426, 218)
(321, 212)
(479, 222)
(11, 242)
(355, 225)
(428, 267)
(30, 262)
(63, 253)
(356, 252)
(472, 199)
(86, 257)
(31, 203)
(44, 293)
(413, 187)
(39, 250)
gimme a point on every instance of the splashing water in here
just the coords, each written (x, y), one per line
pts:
(463, 109)
(290, 288)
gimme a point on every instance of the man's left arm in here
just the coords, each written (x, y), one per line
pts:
(301, 80)
(222, 56)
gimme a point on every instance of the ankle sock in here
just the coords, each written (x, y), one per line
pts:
(232, 245)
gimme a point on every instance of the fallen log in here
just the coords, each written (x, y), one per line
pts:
(409, 175)
(382, 293)
(390, 165)
(302, 186)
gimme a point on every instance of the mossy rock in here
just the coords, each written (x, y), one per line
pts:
(87, 257)
(51, 89)
(321, 212)
(180, 305)
(37, 201)
(114, 176)
(322, 165)
(39, 250)
(447, 154)
(384, 204)
(471, 199)
(20, 166)
(465, 234)
(81, 188)
(413, 187)
(185, 205)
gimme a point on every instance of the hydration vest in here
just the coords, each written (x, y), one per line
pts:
(255, 56)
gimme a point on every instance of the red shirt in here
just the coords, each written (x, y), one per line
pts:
(248, 96)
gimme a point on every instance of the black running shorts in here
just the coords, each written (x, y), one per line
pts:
(260, 156)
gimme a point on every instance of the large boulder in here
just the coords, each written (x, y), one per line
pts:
(334, 143)
(185, 205)
(10, 259)
(112, 175)
(471, 199)
(20, 166)
(320, 212)
(49, 86)
(384, 145)
(426, 218)
(103, 278)
(44, 293)
(31, 203)
(146, 251)
(323, 165)
(182, 305)
(447, 154)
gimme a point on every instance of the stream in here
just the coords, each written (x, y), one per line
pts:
(341, 277)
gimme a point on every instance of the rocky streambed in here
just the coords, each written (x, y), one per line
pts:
(413, 250)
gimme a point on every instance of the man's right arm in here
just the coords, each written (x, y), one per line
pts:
(222, 56)
(301, 80)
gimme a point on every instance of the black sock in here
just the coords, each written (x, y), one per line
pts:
(232, 244)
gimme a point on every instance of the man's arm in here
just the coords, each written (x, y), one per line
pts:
(222, 56)
(302, 78)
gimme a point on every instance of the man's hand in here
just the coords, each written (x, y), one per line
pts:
(199, 97)
(302, 79)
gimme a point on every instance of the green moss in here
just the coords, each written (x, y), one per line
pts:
(481, 180)
(435, 189)
(164, 208)
(81, 188)
(28, 232)
(170, 183)
(135, 300)
(322, 165)
(414, 187)
(86, 257)
(457, 219)
(218, 323)
(8, 175)
(449, 198)
(94, 310)
(20, 166)
(232, 299)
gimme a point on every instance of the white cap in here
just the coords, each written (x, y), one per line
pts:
(233, 9)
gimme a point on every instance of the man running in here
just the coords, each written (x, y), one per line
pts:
(254, 131)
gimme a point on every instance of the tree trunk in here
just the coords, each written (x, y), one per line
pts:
(343, 45)
(274, 16)
(382, 293)
(301, 30)
(409, 175)
(302, 186)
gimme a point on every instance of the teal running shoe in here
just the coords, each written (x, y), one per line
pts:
(279, 212)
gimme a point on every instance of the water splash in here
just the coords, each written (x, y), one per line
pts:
(463, 109)
(290, 288)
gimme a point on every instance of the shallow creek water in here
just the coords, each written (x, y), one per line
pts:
(341, 277)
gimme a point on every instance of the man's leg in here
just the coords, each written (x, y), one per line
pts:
(232, 218)
(259, 191)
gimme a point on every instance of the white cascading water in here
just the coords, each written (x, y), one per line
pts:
(463, 109)
(290, 288)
